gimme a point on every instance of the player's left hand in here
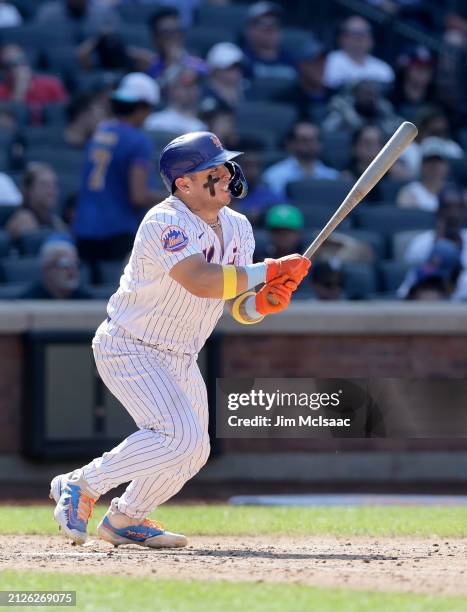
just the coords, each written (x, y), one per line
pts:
(282, 289)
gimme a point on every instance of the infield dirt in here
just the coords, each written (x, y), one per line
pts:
(436, 566)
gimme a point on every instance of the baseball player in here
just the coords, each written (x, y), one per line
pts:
(191, 255)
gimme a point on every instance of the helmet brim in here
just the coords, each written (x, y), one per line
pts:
(217, 161)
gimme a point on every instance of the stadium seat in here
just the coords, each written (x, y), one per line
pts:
(317, 216)
(391, 273)
(100, 292)
(373, 239)
(62, 60)
(232, 16)
(19, 110)
(200, 39)
(390, 188)
(13, 291)
(400, 242)
(30, 244)
(44, 136)
(20, 270)
(388, 219)
(268, 117)
(266, 88)
(139, 14)
(109, 272)
(37, 36)
(67, 160)
(359, 280)
(320, 192)
(136, 34)
(55, 114)
(335, 148)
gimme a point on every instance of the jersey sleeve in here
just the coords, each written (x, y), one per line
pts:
(168, 240)
(247, 246)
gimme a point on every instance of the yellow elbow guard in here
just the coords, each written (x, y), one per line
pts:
(230, 282)
(236, 309)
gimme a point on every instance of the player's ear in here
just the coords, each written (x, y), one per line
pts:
(182, 184)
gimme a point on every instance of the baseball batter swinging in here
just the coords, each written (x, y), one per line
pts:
(191, 254)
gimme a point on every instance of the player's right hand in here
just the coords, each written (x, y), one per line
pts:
(281, 288)
(293, 266)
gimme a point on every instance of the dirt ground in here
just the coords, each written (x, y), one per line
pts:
(434, 566)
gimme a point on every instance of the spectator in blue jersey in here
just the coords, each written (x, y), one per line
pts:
(168, 39)
(115, 189)
(263, 50)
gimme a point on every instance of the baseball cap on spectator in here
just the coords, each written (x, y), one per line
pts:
(263, 9)
(137, 87)
(224, 55)
(416, 55)
(284, 216)
(433, 146)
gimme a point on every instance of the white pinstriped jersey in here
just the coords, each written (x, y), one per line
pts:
(153, 307)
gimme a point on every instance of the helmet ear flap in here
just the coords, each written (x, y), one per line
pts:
(238, 186)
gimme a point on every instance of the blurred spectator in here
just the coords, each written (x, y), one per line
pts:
(424, 193)
(363, 103)
(20, 84)
(84, 113)
(414, 86)
(84, 14)
(9, 15)
(225, 82)
(285, 224)
(10, 195)
(428, 287)
(60, 273)
(220, 119)
(183, 97)
(326, 282)
(303, 145)
(431, 121)
(353, 61)
(40, 203)
(437, 277)
(308, 94)
(260, 196)
(263, 43)
(169, 44)
(105, 50)
(115, 186)
(450, 222)
(367, 142)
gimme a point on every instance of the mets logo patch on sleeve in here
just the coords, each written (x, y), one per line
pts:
(173, 239)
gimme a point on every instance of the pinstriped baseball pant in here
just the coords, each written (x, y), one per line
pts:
(166, 396)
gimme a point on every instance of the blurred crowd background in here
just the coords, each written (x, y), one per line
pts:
(91, 90)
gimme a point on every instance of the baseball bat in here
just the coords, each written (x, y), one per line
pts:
(391, 151)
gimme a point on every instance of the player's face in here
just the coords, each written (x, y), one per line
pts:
(212, 186)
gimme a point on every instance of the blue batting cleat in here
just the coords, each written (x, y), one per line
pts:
(118, 528)
(75, 503)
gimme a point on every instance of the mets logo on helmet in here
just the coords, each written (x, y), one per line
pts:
(173, 239)
(216, 141)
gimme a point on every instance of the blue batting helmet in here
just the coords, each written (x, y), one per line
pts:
(192, 153)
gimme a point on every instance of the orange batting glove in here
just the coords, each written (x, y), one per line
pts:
(293, 266)
(281, 288)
